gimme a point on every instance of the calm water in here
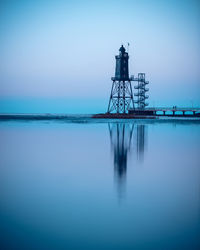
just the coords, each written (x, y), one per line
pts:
(85, 185)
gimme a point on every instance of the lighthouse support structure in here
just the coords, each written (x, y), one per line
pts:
(121, 96)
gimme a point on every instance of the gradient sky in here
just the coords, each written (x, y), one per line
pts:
(58, 56)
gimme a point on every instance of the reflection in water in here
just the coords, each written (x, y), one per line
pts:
(121, 138)
(141, 137)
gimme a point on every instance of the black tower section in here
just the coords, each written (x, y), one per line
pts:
(121, 96)
(121, 70)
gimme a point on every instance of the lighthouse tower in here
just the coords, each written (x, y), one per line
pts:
(121, 96)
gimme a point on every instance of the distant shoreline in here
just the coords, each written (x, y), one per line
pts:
(87, 118)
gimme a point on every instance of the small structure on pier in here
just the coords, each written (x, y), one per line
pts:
(141, 91)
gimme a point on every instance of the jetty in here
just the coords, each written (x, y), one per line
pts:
(167, 111)
(152, 113)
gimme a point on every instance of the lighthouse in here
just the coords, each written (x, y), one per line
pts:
(121, 96)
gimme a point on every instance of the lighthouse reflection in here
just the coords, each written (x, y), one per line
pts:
(126, 139)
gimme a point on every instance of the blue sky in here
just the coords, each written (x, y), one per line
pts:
(58, 56)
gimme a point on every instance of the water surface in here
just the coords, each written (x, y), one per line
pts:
(99, 185)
